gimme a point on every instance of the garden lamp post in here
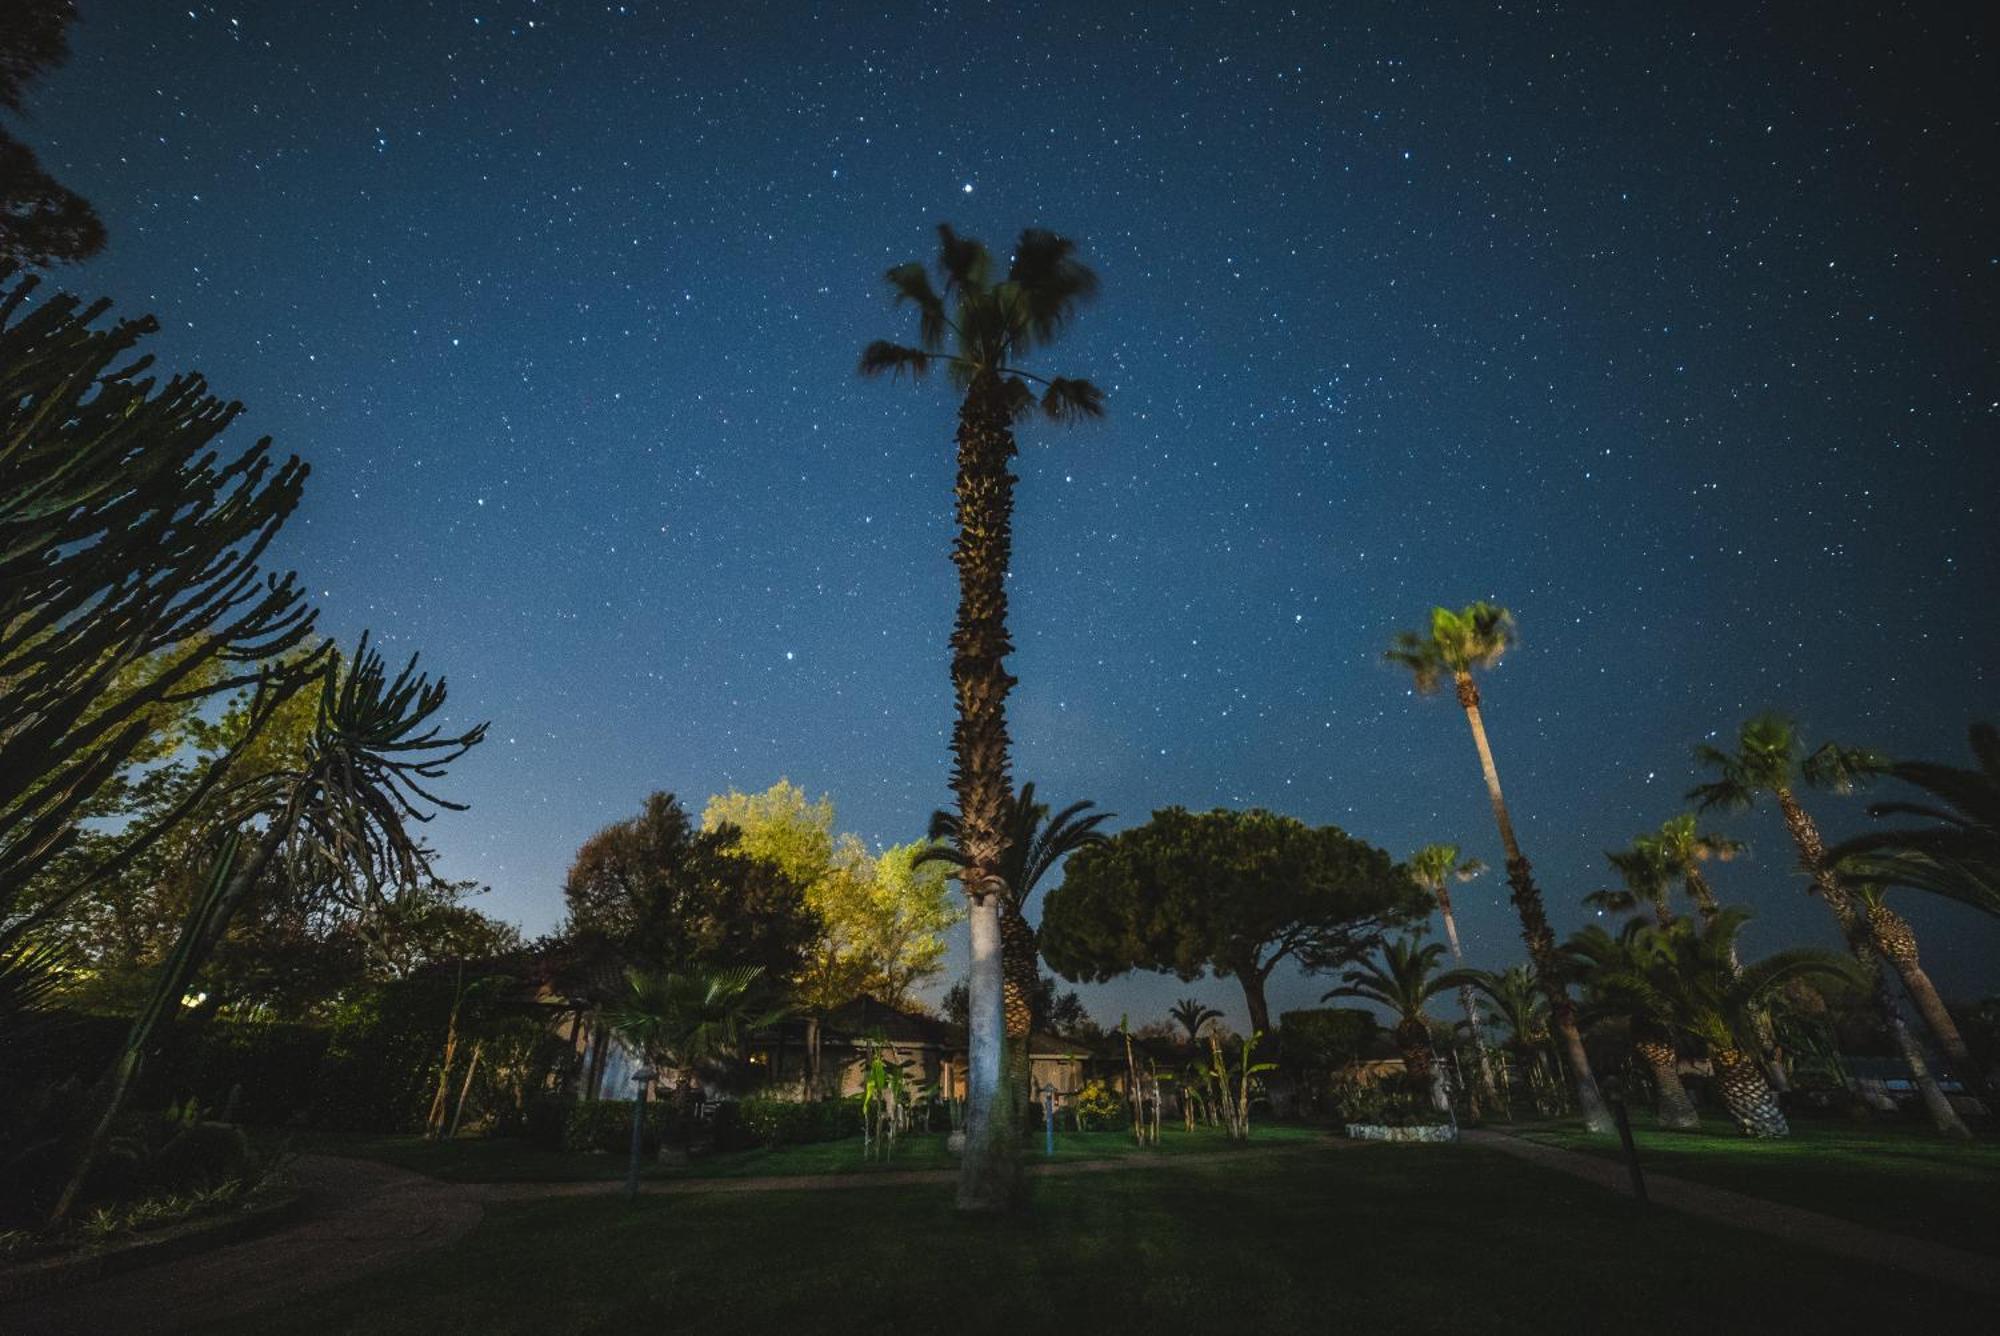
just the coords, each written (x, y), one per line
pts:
(1048, 1118)
(641, 1079)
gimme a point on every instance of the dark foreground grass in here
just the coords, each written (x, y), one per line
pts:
(505, 1160)
(1330, 1238)
(1902, 1180)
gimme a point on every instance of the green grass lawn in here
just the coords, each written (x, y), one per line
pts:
(1317, 1238)
(1905, 1181)
(507, 1160)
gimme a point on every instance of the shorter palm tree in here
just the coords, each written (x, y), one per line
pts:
(1593, 952)
(691, 1024)
(1643, 870)
(1192, 1015)
(1516, 1003)
(1684, 848)
(1682, 980)
(1403, 980)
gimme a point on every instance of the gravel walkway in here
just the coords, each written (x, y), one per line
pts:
(1843, 1238)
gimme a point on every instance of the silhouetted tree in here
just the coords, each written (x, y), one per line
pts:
(41, 220)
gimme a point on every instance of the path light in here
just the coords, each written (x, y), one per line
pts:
(641, 1079)
(1048, 1118)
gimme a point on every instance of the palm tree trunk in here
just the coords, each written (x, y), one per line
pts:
(1676, 1111)
(1488, 1090)
(1020, 967)
(989, 1173)
(1854, 930)
(1747, 1096)
(1535, 930)
(1760, 1019)
(1900, 950)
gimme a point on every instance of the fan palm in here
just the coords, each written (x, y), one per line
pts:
(1770, 759)
(1458, 645)
(1592, 952)
(1403, 980)
(1681, 979)
(690, 1023)
(1192, 1015)
(979, 330)
(1434, 867)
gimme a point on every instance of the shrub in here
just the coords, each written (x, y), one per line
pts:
(1099, 1108)
(605, 1125)
(745, 1123)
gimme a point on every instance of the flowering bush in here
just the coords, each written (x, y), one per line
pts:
(1099, 1108)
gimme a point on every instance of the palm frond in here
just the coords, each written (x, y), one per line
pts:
(1051, 281)
(912, 283)
(1067, 400)
(964, 263)
(894, 358)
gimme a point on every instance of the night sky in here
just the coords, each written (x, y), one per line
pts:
(1671, 328)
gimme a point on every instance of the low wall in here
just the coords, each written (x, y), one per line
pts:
(1379, 1132)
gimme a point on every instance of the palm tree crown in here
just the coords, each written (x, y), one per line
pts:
(1770, 758)
(1036, 841)
(1958, 857)
(1434, 865)
(1192, 1015)
(1474, 637)
(980, 329)
(691, 1021)
(1403, 978)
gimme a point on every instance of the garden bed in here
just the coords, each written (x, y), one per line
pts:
(88, 1261)
(1418, 1132)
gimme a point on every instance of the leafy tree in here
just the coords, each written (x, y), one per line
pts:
(1036, 842)
(1192, 1014)
(1683, 979)
(1238, 893)
(130, 586)
(1322, 1040)
(980, 330)
(1958, 856)
(654, 892)
(1434, 867)
(1457, 646)
(882, 918)
(1771, 759)
(41, 221)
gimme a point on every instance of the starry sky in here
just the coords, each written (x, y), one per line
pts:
(1671, 327)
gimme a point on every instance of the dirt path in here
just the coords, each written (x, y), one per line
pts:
(1843, 1238)
(361, 1216)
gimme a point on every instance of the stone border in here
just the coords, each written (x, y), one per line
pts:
(1429, 1132)
(47, 1274)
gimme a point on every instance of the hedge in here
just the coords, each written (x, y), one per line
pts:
(746, 1123)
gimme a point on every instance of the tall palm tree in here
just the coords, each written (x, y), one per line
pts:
(1770, 759)
(1594, 953)
(1434, 867)
(1036, 842)
(1681, 978)
(1958, 857)
(1404, 979)
(1192, 1015)
(1457, 645)
(979, 329)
